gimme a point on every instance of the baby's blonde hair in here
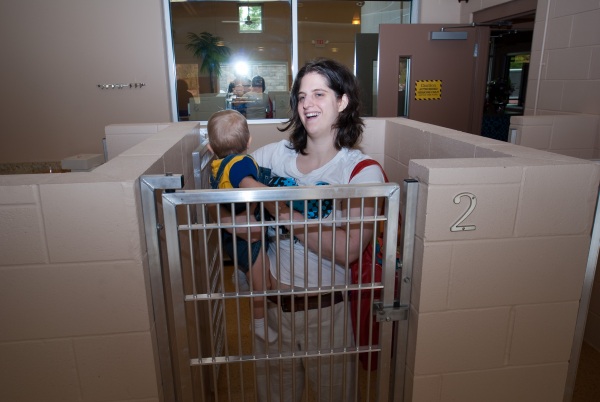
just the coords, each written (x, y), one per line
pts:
(228, 133)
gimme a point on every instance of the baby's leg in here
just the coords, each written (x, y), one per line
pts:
(259, 277)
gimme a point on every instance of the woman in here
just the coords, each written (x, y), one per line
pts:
(324, 129)
(238, 89)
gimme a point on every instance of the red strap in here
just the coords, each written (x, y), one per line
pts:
(363, 164)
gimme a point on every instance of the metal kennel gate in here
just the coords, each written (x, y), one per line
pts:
(213, 353)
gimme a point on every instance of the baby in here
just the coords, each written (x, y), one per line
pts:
(229, 139)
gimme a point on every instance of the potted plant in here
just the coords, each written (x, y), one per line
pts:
(212, 51)
(498, 93)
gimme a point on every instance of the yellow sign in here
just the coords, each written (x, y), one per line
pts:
(428, 90)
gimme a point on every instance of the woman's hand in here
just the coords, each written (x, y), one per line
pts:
(316, 240)
(223, 216)
(347, 240)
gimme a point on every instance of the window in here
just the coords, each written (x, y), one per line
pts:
(518, 65)
(250, 18)
(271, 39)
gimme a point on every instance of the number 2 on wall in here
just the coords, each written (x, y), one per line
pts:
(472, 203)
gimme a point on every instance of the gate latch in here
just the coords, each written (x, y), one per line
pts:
(390, 313)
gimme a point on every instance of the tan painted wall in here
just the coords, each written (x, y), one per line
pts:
(439, 12)
(489, 317)
(53, 108)
(55, 55)
(74, 293)
(573, 135)
(565, 70)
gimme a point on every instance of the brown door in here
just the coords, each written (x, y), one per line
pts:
(433, 75)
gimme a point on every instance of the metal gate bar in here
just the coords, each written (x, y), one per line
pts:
(584, 302)
(188, 229)
(148, 186)
(409, 219)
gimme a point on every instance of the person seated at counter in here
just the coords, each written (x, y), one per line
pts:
(239, 100)
(260, 105)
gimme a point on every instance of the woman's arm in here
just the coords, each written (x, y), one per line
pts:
(347, 239)
(226, 216)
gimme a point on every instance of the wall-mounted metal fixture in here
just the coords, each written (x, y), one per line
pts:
(121, 86)
(498, 25)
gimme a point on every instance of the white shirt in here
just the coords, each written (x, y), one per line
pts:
(282, 162)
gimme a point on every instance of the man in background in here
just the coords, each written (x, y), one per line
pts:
(259, 104)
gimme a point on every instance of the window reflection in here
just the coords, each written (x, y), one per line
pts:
(325, 29)
(266, 52)
(250, 18)
(403, 91)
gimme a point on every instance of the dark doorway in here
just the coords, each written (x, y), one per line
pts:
(509, 51)
(366, 69)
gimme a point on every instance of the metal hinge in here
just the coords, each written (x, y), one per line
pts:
(390, 313)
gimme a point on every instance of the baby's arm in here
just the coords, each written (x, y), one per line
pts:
(250, 182)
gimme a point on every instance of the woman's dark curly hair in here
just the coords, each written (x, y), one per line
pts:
(349, 124)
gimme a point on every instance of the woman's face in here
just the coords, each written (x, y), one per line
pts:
(318, 105)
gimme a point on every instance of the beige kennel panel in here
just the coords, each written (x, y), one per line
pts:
(501, 248)
(229, 365)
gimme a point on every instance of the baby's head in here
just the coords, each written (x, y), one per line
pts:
(228, 133)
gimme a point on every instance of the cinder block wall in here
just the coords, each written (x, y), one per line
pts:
(493, 310)
(574, 135)
(75, 309)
